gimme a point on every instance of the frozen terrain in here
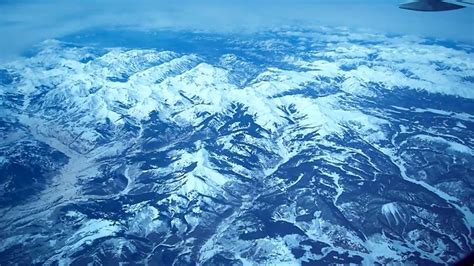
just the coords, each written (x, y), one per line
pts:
(286, 147)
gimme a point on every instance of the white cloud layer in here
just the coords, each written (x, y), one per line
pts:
(26, 22)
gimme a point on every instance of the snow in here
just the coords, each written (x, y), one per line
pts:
(339, 189)
(89, 231)
(3, 160)
(203, 178)
(146, 220)
(355, 86)
(461, 116)
(391, 212)
(461, 125)
(381, 248)
(451, 145)
(74, 215)
(392, 59)
(468, 215)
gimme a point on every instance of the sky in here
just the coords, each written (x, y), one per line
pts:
(24, 23)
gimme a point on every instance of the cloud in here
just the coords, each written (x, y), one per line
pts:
(26, 22)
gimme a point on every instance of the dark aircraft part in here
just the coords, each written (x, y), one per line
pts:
(430, 6)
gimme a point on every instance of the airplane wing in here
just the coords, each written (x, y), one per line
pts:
(430, 5)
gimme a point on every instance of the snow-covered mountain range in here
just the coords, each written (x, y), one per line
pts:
(286, 147)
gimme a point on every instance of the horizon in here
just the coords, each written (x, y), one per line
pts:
(27, 23)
